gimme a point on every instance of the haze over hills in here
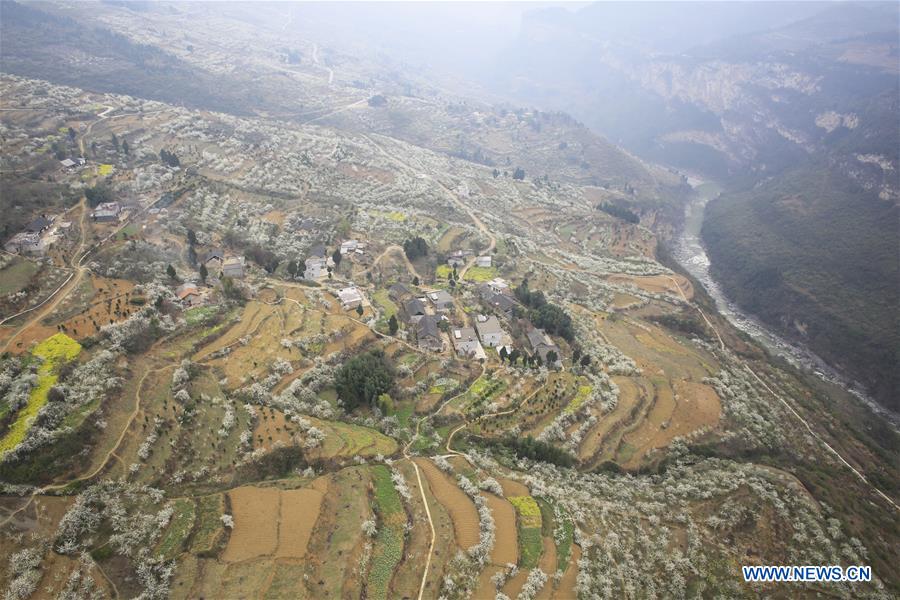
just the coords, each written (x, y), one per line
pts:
(389, 300)
(786, 104)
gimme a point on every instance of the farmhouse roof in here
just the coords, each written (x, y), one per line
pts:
(38, 225)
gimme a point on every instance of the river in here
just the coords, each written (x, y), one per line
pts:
(691, 254)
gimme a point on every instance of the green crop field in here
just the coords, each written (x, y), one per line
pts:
(55, 350)
(388, 549)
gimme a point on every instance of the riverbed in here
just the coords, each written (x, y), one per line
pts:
(690, 253)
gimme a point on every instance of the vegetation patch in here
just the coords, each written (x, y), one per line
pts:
(480, 274)
(209, 528)
(530, 539)
(382, 299)
(443, 271)
(54, 351)
(388, 548)
(16, 275)
(583, 393)
(180, 525)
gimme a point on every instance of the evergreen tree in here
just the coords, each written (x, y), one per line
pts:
(170, 271)
(393, 326)
(203, 272)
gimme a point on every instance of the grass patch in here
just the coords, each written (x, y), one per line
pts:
(128, 231)
(55, 350)
(105, 170)
(480, 274)
(209, 529)
(443, 271)
(382, 299)
(176, 533)
(16, 275)
(388, 548)
(200, 314)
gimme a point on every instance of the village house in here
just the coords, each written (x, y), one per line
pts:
(25, 243)
(38, 225)
(350, 297)
(442, 301)
(489, 331)
(428, 334)
(349, 246)
(213, 259)
(315, 268)
(307, 226)
(483, 261)
(542, 345)
(68, 163)
(457, 259)
(398, 292)
(107, 212)
(414, 309)
(188, 294)
(501, 303)
(498, 285)
(466, 343)
(233, 267)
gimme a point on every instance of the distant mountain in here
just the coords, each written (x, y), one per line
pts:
(793, 108)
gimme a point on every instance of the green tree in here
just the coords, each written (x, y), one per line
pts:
(125, 147)
(363, 378)
(514, 356)
(292, 268)
(191, 237)
(415, 247)
(359, 310)
(170, 271)
(444, 325)
(115, 142)
(519, 173)
(98, 195)
(203, 272)
(336, 257)
(393, 326)
(503, 354)
(552, 357)
(415, 281)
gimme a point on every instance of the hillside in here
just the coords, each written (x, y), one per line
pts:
(814, 254)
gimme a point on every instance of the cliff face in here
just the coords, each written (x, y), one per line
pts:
(752, 103)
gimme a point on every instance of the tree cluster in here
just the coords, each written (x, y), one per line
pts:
(620, 212)
(544, 314)
(169, 158)
(98, 194)
(363, 378)
(415, 247)
(533, 449)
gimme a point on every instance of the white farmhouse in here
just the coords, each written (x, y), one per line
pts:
(489, 331)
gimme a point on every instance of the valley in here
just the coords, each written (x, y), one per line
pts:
(297, 324)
